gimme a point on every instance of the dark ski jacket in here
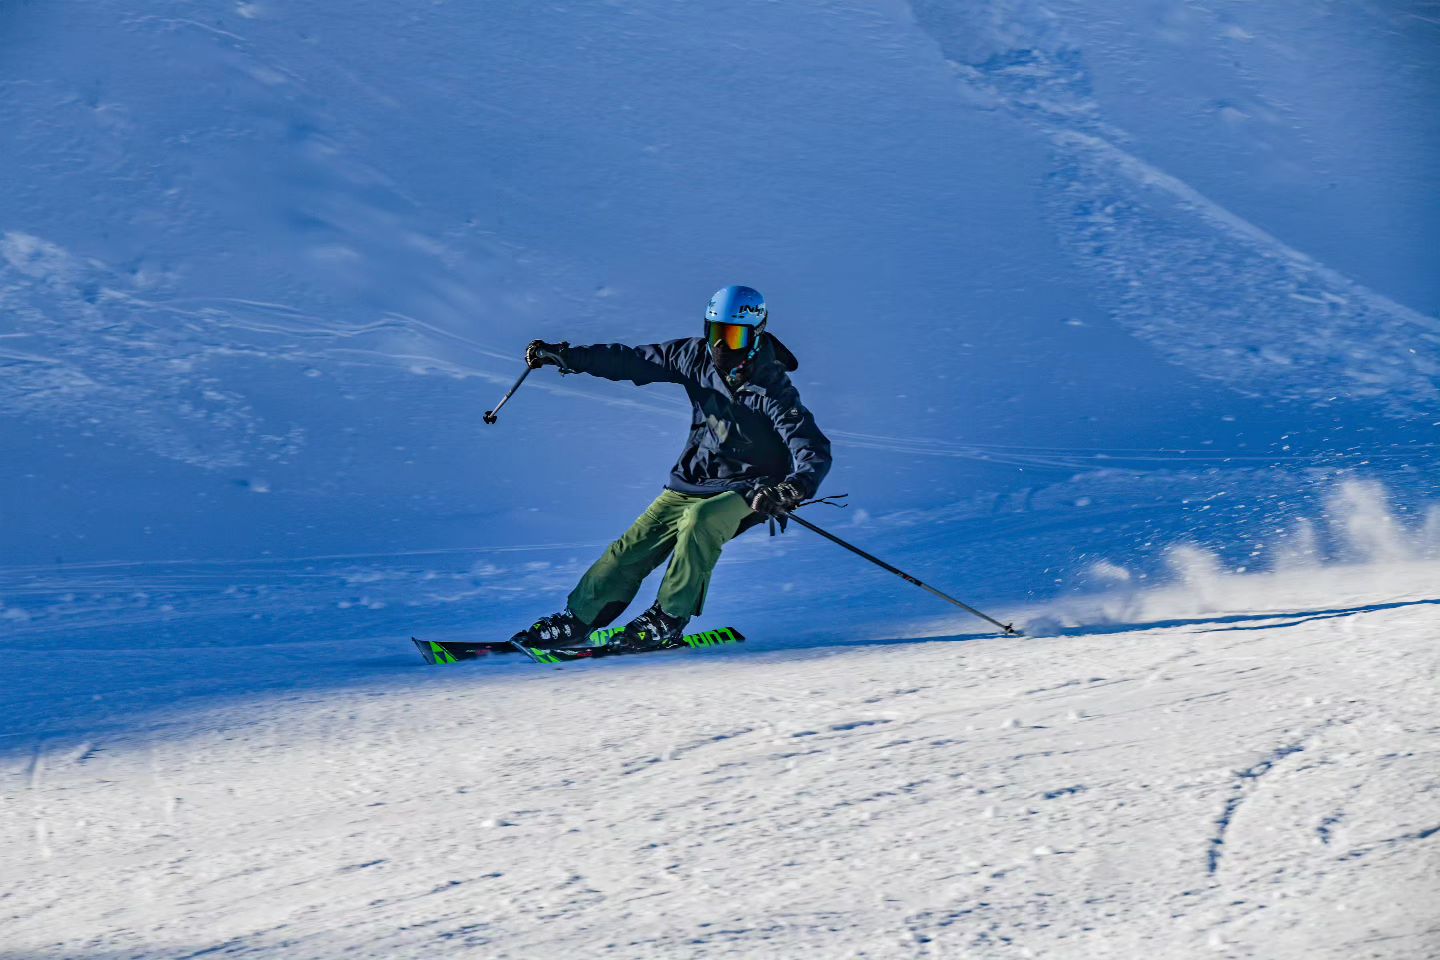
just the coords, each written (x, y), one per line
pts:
(739, 440)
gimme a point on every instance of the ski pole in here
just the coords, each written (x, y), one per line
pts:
(1009, 628)
(490, 415)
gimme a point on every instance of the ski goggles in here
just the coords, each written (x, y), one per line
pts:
(736, 336)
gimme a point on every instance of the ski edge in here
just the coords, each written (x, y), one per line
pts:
(724, 636)
(440, 652)
(443, 652)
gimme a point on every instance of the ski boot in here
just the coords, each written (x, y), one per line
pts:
(562, 629)
(652, 630)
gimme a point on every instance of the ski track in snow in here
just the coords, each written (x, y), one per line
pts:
(102, 350)
(1256, 790)
(1209, 289)
(87, 344)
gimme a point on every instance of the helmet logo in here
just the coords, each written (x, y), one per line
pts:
(737, 304)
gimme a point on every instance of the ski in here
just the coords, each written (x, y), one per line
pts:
(441, 652)
(438, 652)
(691, 641)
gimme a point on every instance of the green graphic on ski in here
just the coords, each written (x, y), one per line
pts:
(691, 641)
(440, 652)
(453, 651)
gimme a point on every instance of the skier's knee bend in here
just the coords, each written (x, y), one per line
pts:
(702, 513)
(696, 521)
(618, 548)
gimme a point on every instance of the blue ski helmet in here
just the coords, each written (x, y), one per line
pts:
(737, 304)
(734, 321)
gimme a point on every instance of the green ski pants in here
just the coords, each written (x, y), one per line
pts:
(690, 530)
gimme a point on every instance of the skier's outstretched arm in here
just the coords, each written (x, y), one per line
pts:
(647, 363)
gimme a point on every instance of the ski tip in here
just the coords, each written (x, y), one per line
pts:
(534, 657)
(434, 653)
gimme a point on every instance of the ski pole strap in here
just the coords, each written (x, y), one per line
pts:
(831, 501)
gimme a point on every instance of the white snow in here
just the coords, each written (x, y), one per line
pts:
(1257, 784)
(1121, 316)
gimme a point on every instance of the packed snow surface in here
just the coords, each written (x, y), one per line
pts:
(1253, 783)
(1122, 317)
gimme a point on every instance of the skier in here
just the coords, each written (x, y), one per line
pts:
(753, 452)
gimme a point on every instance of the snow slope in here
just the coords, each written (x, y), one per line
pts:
(1251, 784)
(1122, 316)
(1068, 281)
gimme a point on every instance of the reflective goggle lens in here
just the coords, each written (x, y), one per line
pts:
(736, 336)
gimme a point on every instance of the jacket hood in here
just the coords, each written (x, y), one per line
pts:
(783, 356)
(772, 354)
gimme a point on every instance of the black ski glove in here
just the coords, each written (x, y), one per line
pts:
(539, 353)
(776, 500)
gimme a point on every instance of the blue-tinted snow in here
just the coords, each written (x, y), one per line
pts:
(1122, 316)
(1070, 286)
